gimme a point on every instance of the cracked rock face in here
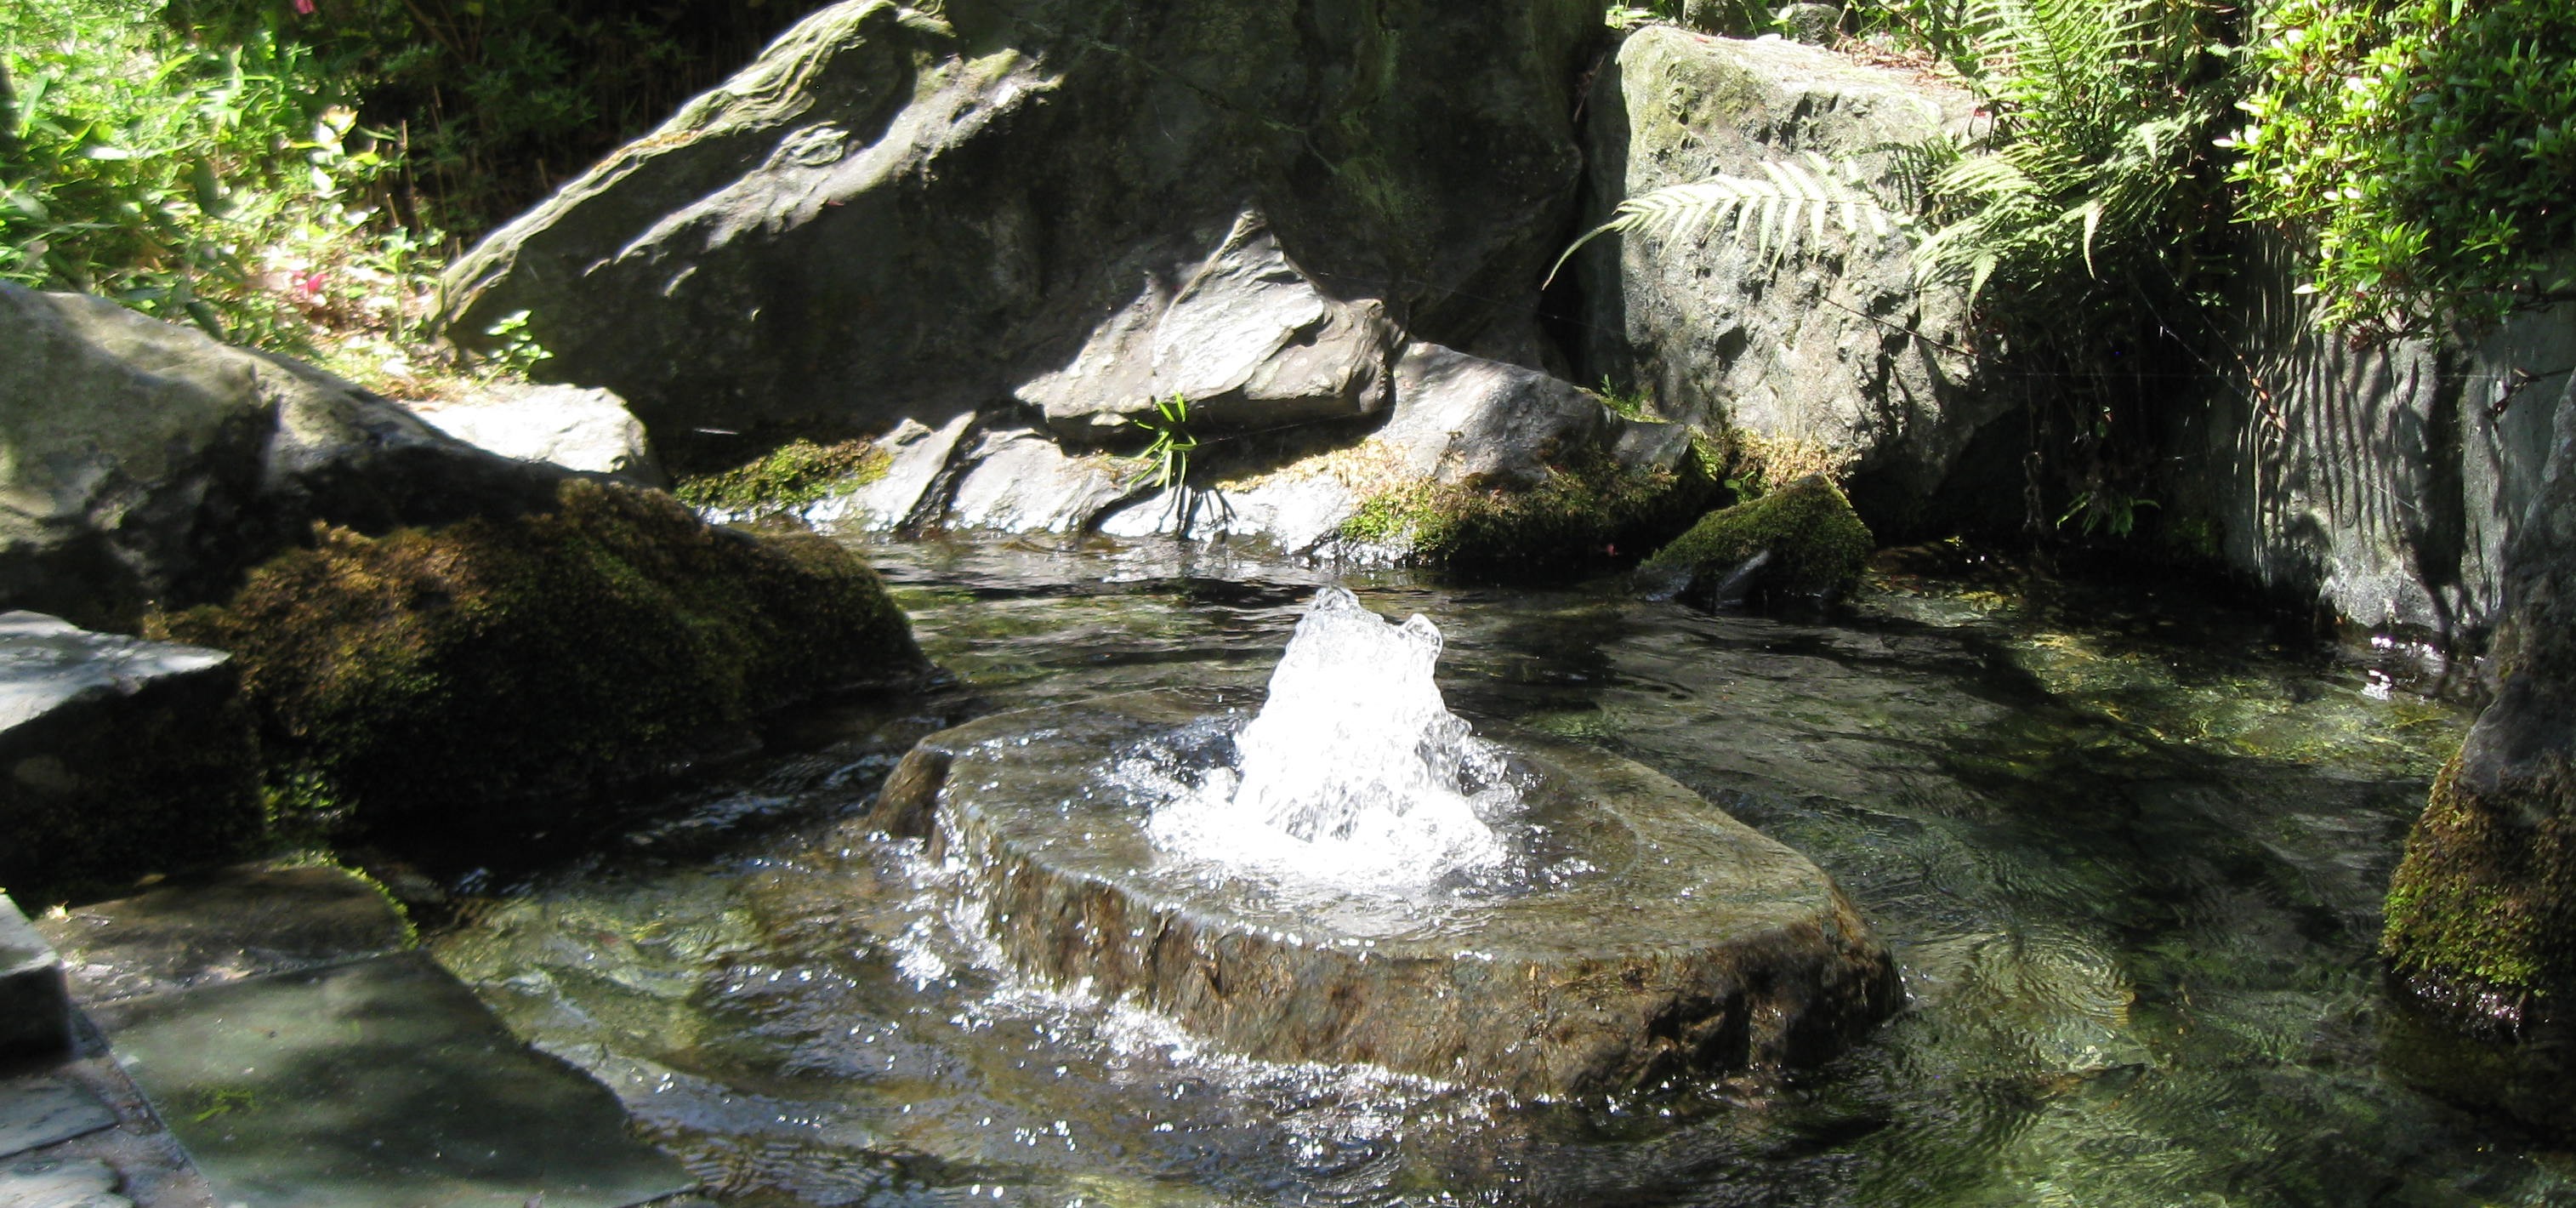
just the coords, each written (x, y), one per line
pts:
(897, 216)
(1835, 349)
(1248, 339)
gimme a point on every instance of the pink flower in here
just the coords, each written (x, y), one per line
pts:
(304, 8)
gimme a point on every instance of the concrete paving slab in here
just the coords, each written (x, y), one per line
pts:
(239, 923)
(154, 1171)
(36, 1112)
(378, 1084)
(35, 1009)
(56, 1183)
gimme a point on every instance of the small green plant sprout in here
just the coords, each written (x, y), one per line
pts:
(518, 351)
(1802, 194)
(2111, 511)
(1168, 458)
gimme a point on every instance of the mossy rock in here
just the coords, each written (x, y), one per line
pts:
(2482, 910)
(487, 682)
(1815, 542)
(795, 474)
(1580, 516)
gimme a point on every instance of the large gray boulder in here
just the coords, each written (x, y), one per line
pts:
(118, 757)
(148, 463)
(898, 216)
(1829, 349)
(2482, 910)
(2383, 481)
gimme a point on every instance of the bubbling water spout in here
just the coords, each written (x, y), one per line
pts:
(1355, 769)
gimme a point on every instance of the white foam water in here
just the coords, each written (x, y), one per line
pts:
(1355, 771)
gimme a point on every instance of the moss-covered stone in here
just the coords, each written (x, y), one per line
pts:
(484, 682)
(793, 475)
(2482, 911)
(1585, 515)
(1816, 542)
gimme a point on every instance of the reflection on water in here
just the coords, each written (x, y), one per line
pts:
(2130, 856)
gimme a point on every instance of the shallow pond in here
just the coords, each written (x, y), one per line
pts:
(2128, 851)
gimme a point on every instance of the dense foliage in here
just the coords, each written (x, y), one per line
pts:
(174, 175)
(2094, 168)
(2424, 147)
(261, 166)
(494, 103)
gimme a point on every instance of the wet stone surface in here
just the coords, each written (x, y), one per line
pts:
(2126, 846)
(381, 1082)
(223, 927)
(1661, 940)
(36, 1112)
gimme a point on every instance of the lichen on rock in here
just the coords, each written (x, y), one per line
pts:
(1810, 543)
(483, 682)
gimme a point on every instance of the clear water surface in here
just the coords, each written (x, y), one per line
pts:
(2129, 852)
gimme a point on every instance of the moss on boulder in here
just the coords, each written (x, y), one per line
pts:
(795, 474)
(484, 682)
(1816, 544)
(1583, 515)
(2482, 911)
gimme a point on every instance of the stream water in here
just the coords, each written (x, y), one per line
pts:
(2128, 849)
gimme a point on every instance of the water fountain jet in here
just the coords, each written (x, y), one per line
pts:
(1352, 876)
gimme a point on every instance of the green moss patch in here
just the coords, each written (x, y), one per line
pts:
(795, 474)
(1589, 514)
(1816, 542)
(2482, 910)
(485, 681)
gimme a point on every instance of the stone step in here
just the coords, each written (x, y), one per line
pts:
(35, 1006)
(289, 1038)
(59, 1183)
(40, 1111)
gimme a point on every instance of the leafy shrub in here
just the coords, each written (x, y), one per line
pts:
(159, 170)
(2095, 166)
(2424, 147)
(496, 102)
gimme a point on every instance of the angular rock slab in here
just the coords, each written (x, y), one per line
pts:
(589, 431)
(50, 1183)
(1700, 946)
(36, 1112)
(118, 756)
(35, 1008)
(237, 924)
(378, 1084)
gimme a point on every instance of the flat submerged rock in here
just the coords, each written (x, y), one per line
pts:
(1682, 943)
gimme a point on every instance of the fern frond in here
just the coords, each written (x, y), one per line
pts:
(1768, 211)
